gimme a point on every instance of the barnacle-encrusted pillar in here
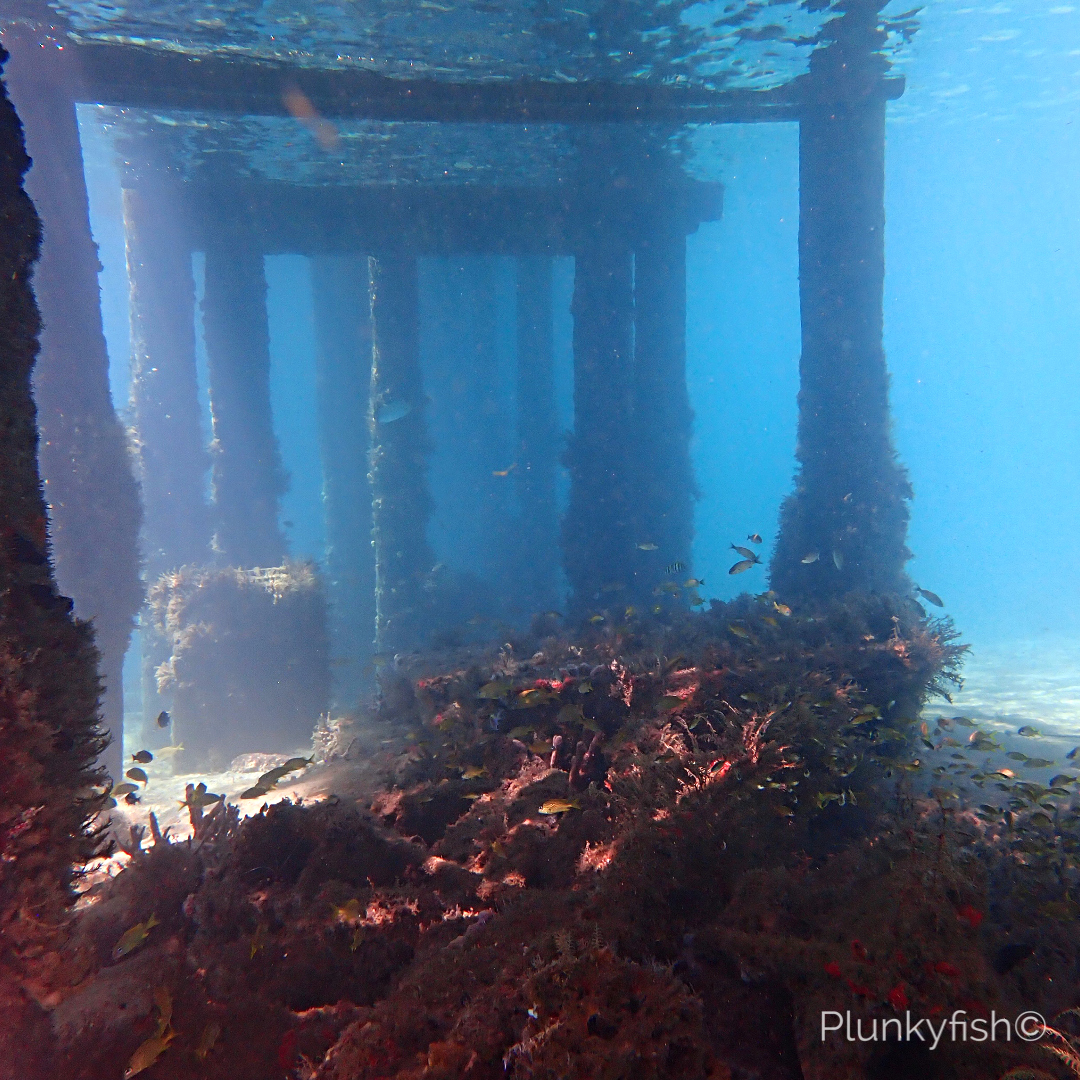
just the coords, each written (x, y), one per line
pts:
(248, 478)
(664, 489)
(401, 504)
(91, 493)
(537, 558)
(597, 531)
(169, 445)
(343, 380)
(49, 734)
(845, 525)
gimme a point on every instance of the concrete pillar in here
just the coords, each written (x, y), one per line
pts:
(92, 498)
(401, 504)
(248, 478)
(343, 384)
(537, 557)
(664, 490)
(170, 448)
(844, 527)
(598, 530)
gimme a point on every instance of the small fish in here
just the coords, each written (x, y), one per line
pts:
(743, 566)
(769, 620)
(739, 630)
(390, 411)
(131, 799)
(471, 772)
(520, 731)
(630, 612)
(674, 568)
(670, 701)
(1072, 754)
(585, 686)
(163, 719)
(504, 472)
(648, 547)
(529, 699)
(810, 557)
(137, 774)
(754, 538)
(163, 1001)
(295, 763)
(143, 757)
(746, 553)
(124, 789)
(134, 937)
(541, 748)
(349, 912)
(207, 1039)
(693, 583)
(559, 806)
(963, 721)
(258, 940)
(826, 797)
(783, 609)
(1028, 731)
(255, 792)
(1017, 756)
(933, 598)
(492, 691)
(596, 619)
(148, 1053)
(1037, 763)
(570, 714)
(838, 560)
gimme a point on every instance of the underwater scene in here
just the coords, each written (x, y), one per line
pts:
(539, 541)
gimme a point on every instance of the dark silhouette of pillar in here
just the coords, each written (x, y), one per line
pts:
(248, 477)
(401, 504)
(90, 491)
(49, 734)
(537, 558)
(597, 532)
(844, 527)
(170, 449)
(664, 490)
(343, 383)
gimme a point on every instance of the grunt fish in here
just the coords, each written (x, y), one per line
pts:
(148, 1053)
(743, 566)
(596, 619)
(1028, 731)
(492, 691)
(471, 772)
(133, 938)
(739, 630)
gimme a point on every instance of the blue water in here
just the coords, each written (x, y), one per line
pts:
(982, 323)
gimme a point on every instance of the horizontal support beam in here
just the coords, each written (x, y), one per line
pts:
(407, 219)
(140, 76)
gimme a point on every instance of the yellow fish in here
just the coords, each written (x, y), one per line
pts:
(529, 699)
(782, 608)
(739, 630)
(135, 937)
(559, 806)
(495, 689)
(163, 1001)
(148, 1053)
(540, 748)
(472, 772)
(596, 619)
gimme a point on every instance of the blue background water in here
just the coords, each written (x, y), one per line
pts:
(982, 312)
